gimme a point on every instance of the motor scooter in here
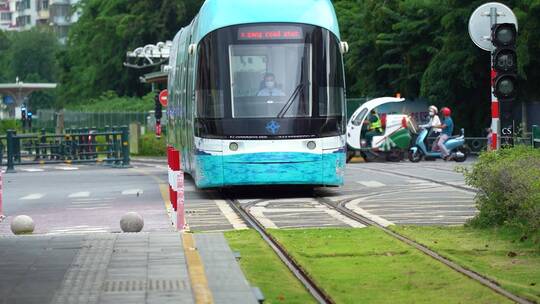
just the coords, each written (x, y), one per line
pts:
(455, 145)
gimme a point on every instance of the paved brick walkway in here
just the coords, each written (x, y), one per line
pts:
(116, 268)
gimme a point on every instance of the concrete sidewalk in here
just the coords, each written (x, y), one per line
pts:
(152, 267)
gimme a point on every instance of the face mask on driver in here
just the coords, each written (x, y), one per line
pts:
(269, 84)
(431, 113)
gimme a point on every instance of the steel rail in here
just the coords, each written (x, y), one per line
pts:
(341, 208)
(317, 292)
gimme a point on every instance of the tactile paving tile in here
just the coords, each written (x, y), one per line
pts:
(84, 279)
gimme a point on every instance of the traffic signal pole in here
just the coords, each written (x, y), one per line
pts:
(495, 107)
(493, 28)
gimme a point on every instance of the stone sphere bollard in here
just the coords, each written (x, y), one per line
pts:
(132, 222)
(22, 224)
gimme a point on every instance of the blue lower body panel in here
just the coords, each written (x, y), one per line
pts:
(269, 169)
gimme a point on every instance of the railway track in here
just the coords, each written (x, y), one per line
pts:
(340, 206)
(316, 291)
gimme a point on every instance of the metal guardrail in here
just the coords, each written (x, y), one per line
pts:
(535, 138)
(110, 146)
(479, 144)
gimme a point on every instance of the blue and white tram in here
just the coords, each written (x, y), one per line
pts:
(257, 94)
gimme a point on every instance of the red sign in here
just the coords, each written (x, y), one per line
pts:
(163, 96)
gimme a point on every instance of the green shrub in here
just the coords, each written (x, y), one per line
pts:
(152, 146)
(7, 124)
(509, 184)
(111, 102)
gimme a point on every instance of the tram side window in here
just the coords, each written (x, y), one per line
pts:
(209, 94)
(331, 91)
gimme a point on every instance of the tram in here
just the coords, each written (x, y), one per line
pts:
(257, 94)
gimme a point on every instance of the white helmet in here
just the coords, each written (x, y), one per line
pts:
(433, 109)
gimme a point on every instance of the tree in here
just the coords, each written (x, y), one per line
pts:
(421, 48)
(30, 56)
(4, 47)
(106, 30)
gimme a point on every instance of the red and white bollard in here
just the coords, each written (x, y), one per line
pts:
(176, 188)
(180, 211)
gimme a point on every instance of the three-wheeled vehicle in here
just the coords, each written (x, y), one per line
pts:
(392, 144)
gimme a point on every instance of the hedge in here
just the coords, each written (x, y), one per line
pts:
(509, 189)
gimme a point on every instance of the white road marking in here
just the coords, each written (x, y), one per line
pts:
(257, 212)
(79, 194)
(89, 208)
(79, 230)
(89, 200)
(32, 170)
(67, 168)
(344, 219)
(231, 216)
(34, 196)
(132, 192)
(353, 205)
(371, 184)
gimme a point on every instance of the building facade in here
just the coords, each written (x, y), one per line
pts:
(20, 15)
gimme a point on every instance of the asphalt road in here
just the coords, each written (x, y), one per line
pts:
(88, 199)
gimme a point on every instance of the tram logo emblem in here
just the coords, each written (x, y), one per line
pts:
(273, 127)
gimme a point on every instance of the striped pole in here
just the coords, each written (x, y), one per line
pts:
(495, 107)
(495, 115)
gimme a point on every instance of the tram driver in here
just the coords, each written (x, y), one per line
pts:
(269, 87)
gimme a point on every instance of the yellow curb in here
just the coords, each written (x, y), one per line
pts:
(199, 283)
(164, 189)
(357, 159)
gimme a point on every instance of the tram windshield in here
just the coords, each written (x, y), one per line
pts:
(256, 73)
(270, 80)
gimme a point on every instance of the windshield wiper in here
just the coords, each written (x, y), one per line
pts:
(289, 102)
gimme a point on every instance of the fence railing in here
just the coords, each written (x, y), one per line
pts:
(110, 146)
(535, 136)
(479, 144)
(48, 119)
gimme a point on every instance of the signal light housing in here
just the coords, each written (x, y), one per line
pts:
(503, 34)
(504, 37)
(505, 60)
(505, 87)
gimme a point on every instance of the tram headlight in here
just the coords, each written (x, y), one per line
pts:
(311, 145)
(233, 146)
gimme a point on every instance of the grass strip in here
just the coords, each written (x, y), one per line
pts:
(265, 270)
(368, 266)
(498, 254)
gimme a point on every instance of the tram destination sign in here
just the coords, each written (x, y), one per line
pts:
(270, 33)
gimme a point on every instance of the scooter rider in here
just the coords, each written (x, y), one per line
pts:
(434, 121)
(447, 130)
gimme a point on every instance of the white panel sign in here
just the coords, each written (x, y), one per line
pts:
(480, 23)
